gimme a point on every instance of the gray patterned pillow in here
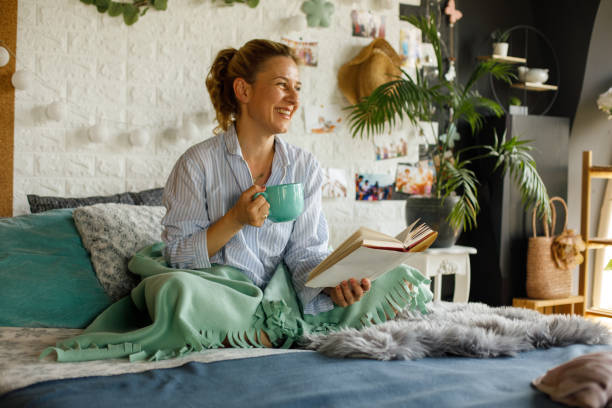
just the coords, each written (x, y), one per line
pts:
(112, 233)
(40, 204)
(148, 197)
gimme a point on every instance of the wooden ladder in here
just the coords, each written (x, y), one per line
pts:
(589, 172)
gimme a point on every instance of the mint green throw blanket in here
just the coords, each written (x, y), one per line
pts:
(173, 312)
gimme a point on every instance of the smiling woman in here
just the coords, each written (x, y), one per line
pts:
(227, 275)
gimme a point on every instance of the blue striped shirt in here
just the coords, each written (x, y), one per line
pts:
(204, 185)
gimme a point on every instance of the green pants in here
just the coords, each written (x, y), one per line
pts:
(173, 312)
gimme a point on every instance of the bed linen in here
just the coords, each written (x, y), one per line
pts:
(309, 379)
(21, 346)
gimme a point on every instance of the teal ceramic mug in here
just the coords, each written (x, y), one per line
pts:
(286, 201)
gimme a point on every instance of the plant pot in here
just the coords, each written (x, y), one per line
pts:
(434, 212)
(500, 49)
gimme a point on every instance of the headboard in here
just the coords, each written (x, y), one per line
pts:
(8, 36)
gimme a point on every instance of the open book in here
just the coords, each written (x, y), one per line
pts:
(369, 254)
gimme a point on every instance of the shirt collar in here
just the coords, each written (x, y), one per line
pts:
(233, 147)
(231, 141)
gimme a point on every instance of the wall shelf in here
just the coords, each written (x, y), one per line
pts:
(538, 98)
(507, 59)
(533, 86)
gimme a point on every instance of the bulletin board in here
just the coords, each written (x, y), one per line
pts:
(8, 35)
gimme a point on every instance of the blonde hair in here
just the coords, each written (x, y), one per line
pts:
(230, 64)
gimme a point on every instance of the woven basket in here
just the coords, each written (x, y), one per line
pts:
(545, 280)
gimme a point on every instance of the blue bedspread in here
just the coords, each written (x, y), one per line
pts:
(313, 380)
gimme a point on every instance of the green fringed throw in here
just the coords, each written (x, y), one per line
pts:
(173, 312)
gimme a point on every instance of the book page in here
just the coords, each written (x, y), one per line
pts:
(403, 236)
(362, 263)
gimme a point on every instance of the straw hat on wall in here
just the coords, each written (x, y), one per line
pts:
(376, 64)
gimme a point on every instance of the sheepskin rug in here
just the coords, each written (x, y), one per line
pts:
(459, 329)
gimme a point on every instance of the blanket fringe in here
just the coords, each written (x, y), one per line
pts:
(411, 291)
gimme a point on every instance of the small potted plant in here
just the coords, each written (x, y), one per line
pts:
(500, 42)
(515, 106)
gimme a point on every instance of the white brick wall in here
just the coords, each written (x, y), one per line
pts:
(151, 76)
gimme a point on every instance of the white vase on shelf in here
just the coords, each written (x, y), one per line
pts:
(500, 48)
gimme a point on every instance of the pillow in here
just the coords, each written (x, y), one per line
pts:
(113, 233)
(40, 204)
(46, 277)
(148, 197)
(585, 381)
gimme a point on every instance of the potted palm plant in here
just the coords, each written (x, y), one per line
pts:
(449, 102)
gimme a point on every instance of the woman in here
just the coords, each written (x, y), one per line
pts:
(227, 276)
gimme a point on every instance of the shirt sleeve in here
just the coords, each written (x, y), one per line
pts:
(309, 243)
(186, 220)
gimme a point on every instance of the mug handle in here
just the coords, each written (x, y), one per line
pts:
(262, 194)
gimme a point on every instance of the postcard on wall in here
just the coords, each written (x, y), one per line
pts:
(373, 187)
(322, 118)
(334, 183)
(410, 45)
(367, 24)
(415, 178)
(396, 142)
(306, 51)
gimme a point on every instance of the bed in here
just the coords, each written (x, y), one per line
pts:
(52, 286)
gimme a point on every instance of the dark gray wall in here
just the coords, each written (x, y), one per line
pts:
(592, 130)
(567, 24)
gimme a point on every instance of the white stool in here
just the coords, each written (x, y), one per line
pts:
(435, 262)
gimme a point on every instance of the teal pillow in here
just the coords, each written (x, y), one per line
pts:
(46, 277)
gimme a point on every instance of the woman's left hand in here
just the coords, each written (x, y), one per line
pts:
(348, 292)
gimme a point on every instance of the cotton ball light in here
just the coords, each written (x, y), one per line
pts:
(57, 111)
(139, 137)
(22, 80)
(99, 133)
(190, 131)
(5, 57)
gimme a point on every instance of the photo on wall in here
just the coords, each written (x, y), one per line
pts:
(334, 183)
(306, 51)
(415, 178)
(410, 45)
(367, 24)
(322, 118)
(395, 143)
(373, 187)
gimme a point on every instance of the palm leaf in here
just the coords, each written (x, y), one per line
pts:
(390, 103)
(513, 155)
(460, 178)
(500, 70)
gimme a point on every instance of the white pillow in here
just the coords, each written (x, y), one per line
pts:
(113, 233)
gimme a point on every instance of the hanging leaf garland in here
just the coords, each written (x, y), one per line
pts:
(250, 3)
(130, 11)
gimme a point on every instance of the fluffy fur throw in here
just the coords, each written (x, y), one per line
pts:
(460, 329)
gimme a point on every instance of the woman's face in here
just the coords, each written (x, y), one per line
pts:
(274, 96)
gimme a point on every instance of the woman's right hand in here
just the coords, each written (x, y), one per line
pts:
(251, 212)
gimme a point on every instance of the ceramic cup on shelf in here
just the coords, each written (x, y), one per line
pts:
(286, 201)
(537, 75)
(522, 73)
